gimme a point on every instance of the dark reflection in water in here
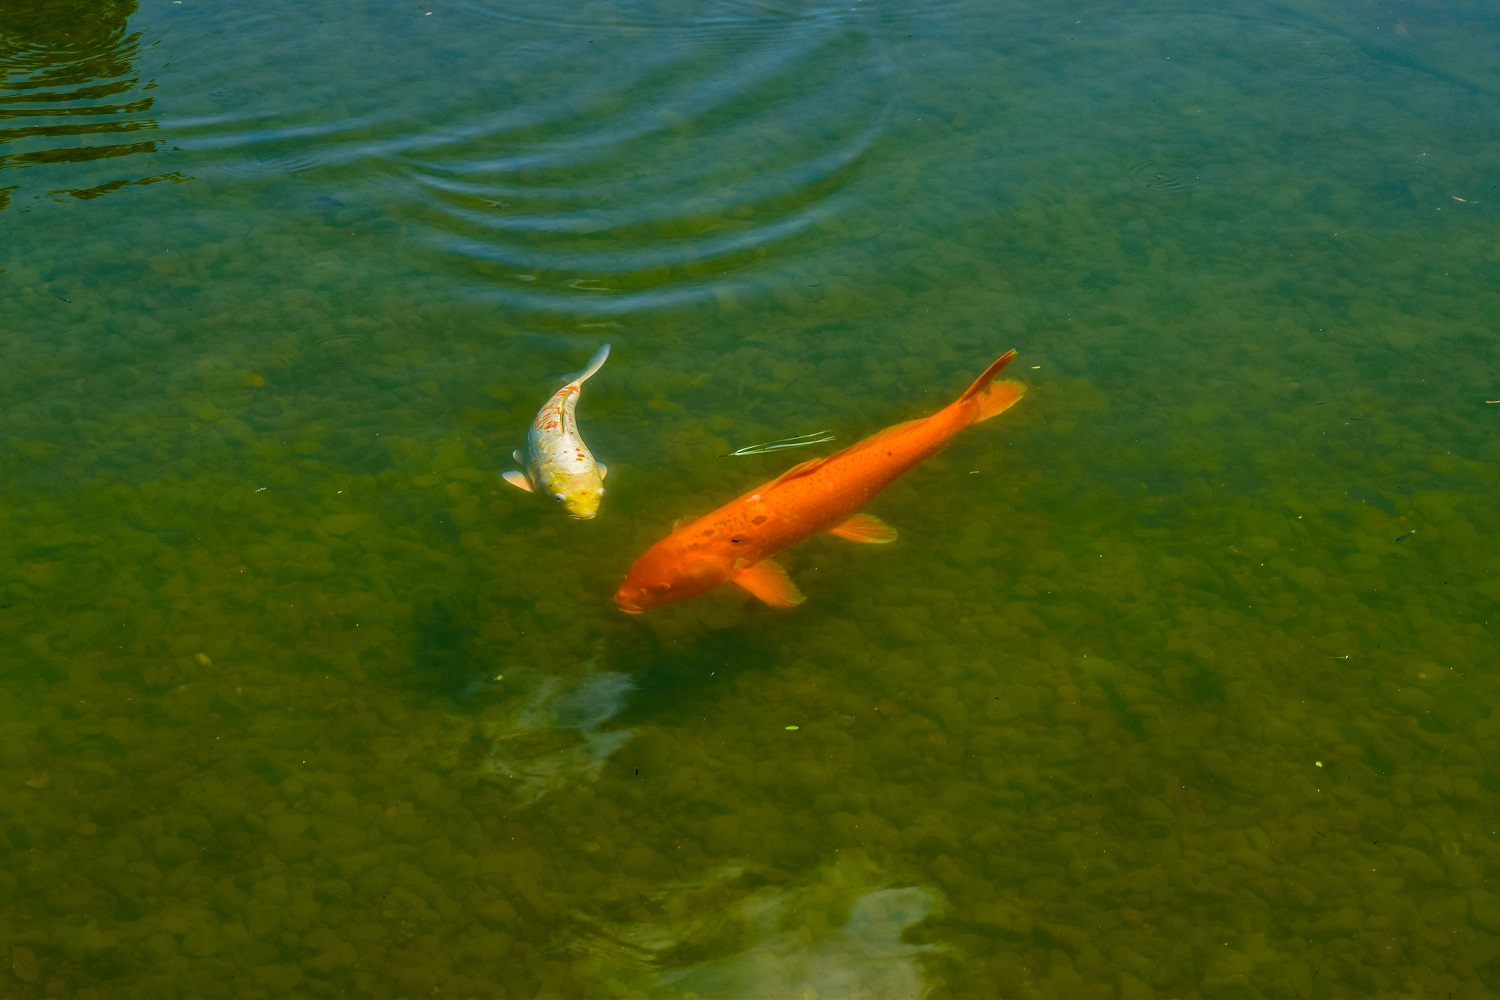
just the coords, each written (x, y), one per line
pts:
(69, 90)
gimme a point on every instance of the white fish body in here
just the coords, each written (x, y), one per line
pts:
(557, 462)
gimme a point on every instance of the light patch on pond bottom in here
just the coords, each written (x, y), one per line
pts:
(831, 936)
(555, 738)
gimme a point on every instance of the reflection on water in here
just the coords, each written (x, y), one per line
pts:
(69, 92)
(554, 739)
(742, 932)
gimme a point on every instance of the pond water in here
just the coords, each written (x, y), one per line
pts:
(1179, 682)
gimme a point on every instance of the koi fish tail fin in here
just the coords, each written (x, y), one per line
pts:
(989, 397)
(998, 398)
(595, 363)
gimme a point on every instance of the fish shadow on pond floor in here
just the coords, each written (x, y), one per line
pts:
(539, 728)
(670, 674)
(563, 726)
(448, 663)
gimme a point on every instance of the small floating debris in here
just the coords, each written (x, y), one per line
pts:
(791, 729)
(800, 441)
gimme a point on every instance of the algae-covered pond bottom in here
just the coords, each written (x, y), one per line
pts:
(1179, 682)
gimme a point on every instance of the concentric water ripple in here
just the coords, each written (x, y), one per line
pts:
(618, 156)
(670, 15)
(70, 93)
(728, 134)
(1165, 175)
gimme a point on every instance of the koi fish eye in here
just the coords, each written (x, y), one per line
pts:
(559, 497)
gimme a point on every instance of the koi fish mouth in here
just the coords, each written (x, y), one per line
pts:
(628, 606)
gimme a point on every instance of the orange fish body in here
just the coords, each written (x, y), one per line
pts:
(736, 542)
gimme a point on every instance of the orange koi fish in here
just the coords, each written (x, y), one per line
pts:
(736, 542)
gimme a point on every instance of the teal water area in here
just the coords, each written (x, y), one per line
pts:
(1180, 681)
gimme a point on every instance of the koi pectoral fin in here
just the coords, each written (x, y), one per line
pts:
(865, 528)
(769, 582)
(518, 480)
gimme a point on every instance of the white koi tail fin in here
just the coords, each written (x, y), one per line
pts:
(595, 363)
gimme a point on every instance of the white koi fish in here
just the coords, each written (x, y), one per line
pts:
(557, 462)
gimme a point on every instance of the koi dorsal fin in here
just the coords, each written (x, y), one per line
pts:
(882, 437)
(796, 472)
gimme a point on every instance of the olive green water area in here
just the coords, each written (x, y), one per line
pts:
(1180, 681)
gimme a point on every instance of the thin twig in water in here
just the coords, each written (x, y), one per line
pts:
(800, 441)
